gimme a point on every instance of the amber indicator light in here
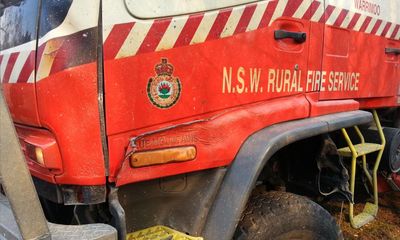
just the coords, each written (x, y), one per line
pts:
(162, 156)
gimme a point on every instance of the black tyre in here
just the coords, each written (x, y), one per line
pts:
(281, 215)
(390, 160)
(396, 122)
(391, 154)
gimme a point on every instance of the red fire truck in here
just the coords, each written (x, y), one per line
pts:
(204, 118)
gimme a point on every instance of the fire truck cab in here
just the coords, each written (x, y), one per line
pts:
(203, 119)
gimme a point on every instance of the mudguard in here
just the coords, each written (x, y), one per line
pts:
(252, 157)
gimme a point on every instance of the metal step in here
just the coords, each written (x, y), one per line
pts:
(9, 228)
(366, 216)
(160, 233)
(361, 149)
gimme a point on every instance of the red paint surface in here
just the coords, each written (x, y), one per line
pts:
(202, 94)
(67, 100)
(371, 103)
(23, 109)
(126, 96)
(318, 108)
(68, 107)
(378, 78)
(383, 185)
(211, 137)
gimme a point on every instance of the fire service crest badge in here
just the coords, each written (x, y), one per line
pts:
(164, 89)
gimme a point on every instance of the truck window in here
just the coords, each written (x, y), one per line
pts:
(160, 8)
(53, 13)
(18, 23)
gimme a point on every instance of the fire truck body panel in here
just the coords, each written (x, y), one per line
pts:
(370, 22)
(182, 105)
(203, 97)
(63, 88)
(207, 78)
(229, 50)
(68, 67)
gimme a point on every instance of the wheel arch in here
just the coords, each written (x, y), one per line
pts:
(251, 159)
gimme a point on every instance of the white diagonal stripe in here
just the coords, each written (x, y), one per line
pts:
(48, 58)
(232, 22)
(278, 10)
(29, 46)
(380, 29)
(172, 33)
(31, 78)
(106, 31)
(318, 14)
(134, 39)
(347, 20)
(370, 25)
(204, 27)
(397, 37)
(3, 66)
(391, 29)
(19, 63)
(359, 22)
(302, 9)
(257, 16)
(335, 14)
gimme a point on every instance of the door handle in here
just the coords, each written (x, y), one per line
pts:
(395, 51)
(298, 37)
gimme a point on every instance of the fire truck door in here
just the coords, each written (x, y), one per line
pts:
(224, 55)
(360, 43)
(216, 55)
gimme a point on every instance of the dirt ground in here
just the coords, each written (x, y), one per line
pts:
(385, 226)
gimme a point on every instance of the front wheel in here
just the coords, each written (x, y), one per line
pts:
(281, 215)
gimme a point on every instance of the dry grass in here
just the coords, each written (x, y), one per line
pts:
(385, 226)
